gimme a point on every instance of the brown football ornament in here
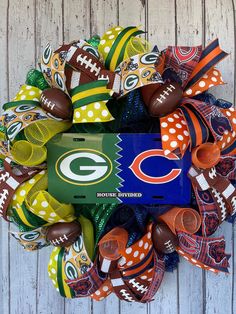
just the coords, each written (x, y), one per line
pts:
(163, 239)
(63, 233)
(57, 103)
(165, 99)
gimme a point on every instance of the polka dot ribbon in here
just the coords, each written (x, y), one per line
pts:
(227, 143)
(28, 92)
(89, 102)
(211, 78)
(113, 43)
(174, 132)
(43, 205)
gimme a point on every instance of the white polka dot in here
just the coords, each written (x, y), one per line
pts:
(166, 152)
(35, 99)
(165, 138)
(34, 202)
(42, 212)
(83, 108)
(140, 244)
(214, 79)
(136, 253)
(228, 140)
(118, 28)
(50, 219)
(189, 91)
(186, 133)
(150, 279)
(146, 246)
(183, 122)
(53, 214)
(149, 235)
(164, 124)
(176, 115)
(142, 256)
(231, 109)
(233, 134)
(61, 220)
(44, 204)
(226, 132)
(184, 146)
(211, 85)
(97, 105)
(53, 271)
(77, 114)
(22, 193)
(228, 113)
(84, 120)
(234, 120)
(102, 42)
(197, 92)
(31, 181)
(150, 270)
(180, 137)
(205, 76)
(128, 250)
(129, 263)
(109, 32)
(22, 97)
(20, 92)
(122, 261)
(172, 131)
(97, 292)
(111, 36)
(178, 125)
(28, 87)
(32, 93)
(223, 145)
(90, 113)
(56, 258)
(105, 288)
(170, 119)
(107, 49)
(104, 113)
(102, 298)
(173, 144)
(216, 73)
(143, 277)
(202, 83)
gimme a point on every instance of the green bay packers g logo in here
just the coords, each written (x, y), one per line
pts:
(83, 167)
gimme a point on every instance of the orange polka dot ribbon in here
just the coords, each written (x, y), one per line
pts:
(227, 143)
(104, 291)
(211, 78)
(206, 253)
(174, 132)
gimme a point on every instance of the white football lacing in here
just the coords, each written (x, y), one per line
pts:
(88, 64)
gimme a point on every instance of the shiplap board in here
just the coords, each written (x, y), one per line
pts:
(25, 28)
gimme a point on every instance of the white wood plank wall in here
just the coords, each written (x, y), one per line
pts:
(25, 27)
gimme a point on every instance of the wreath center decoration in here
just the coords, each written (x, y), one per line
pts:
(118, 156)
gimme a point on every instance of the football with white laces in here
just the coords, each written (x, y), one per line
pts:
(165, 99)
(63, 234)
(57, 103)
(163, 239)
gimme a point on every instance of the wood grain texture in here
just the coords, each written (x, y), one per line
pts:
(30, 24)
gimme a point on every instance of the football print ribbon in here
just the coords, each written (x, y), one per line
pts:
(10, 180)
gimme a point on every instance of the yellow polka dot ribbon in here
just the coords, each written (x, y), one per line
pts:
(89, 102)
(49, 209)
(28, 92)
(113, 44)
(19, 212)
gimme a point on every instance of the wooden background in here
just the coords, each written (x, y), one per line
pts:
(25, 27)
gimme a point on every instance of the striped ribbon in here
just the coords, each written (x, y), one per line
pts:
(91, 92)
(117, 51)
(198, 130)
(210, 56)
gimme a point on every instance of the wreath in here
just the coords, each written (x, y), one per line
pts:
(116, 154)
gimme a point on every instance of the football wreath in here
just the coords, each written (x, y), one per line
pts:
(117, 156)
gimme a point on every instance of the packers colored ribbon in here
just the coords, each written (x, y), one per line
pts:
(89, 102)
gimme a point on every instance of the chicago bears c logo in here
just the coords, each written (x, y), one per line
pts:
(137, 171)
